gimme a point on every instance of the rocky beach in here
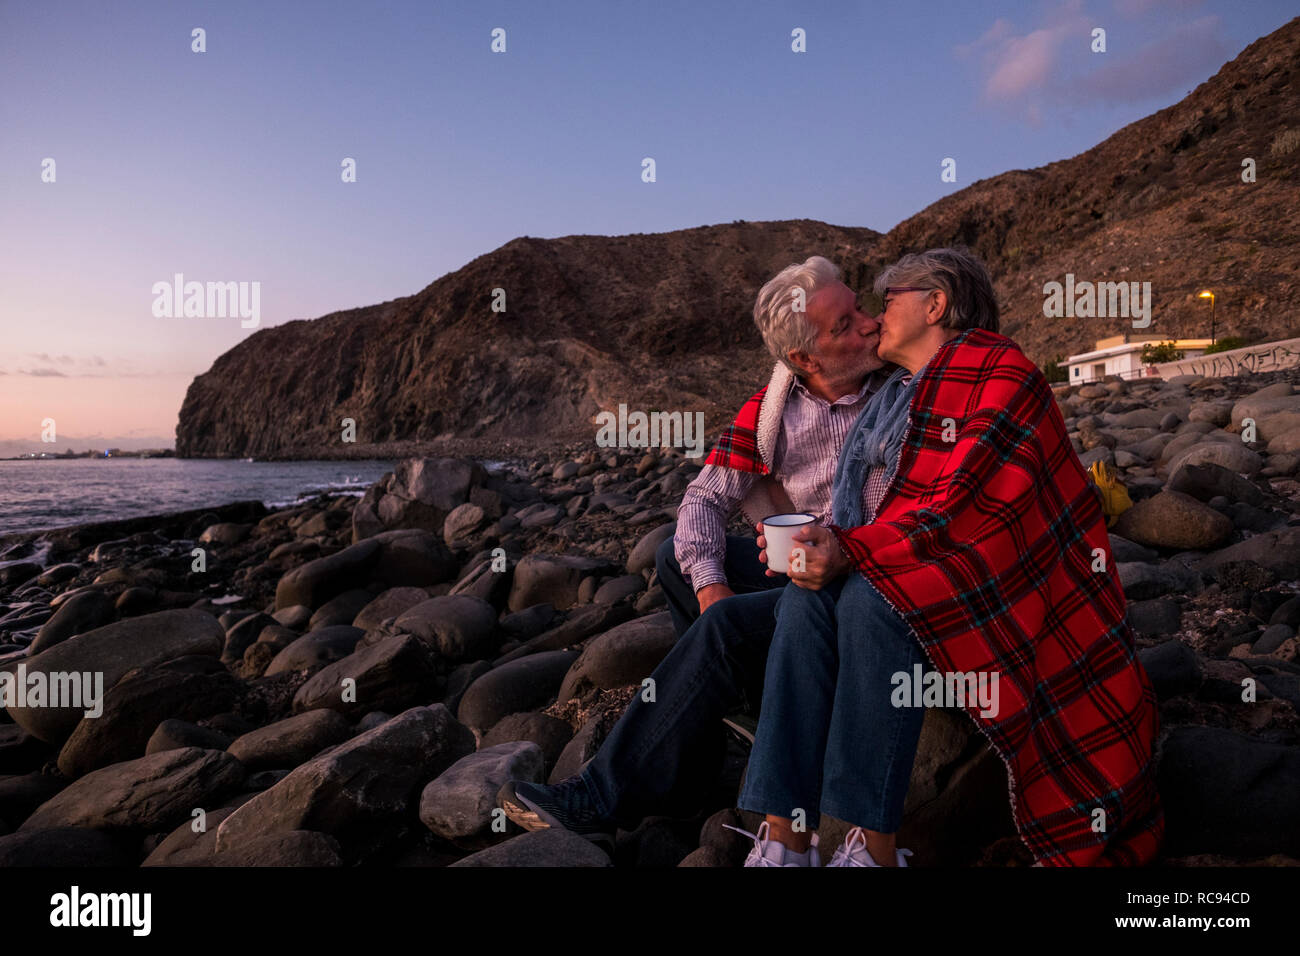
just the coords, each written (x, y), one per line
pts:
(351, 681)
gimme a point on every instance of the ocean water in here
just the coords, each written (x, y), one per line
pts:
(37, 494)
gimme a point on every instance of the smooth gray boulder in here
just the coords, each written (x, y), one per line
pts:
(540, 848)
(188, 688)
(458, 626)
(314, 583)
(289, 742)
(625, 655)
(524, 684)
(84, 611)
(1224, 792)
(112, 650)
(359, 790)
(550, 579)
(392, 675)
(643, 554)
(458, 804)
(391, 603)
(148, 794)
(1172, 519)
(316, 649)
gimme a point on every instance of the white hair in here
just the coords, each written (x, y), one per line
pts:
(783, 326)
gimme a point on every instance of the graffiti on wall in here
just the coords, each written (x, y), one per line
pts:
(1268, 357)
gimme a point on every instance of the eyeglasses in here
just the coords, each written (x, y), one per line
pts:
(904, 288)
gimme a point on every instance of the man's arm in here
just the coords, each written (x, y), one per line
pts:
(700, 543)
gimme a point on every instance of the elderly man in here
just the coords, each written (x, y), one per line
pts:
(989, 552)
(779, 455)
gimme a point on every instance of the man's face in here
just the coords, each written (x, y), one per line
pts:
(847, 337)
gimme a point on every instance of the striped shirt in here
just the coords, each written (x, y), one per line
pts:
(803, 461)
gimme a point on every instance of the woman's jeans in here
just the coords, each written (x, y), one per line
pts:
(829, 739)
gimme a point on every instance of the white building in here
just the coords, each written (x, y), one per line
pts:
(1122, 355)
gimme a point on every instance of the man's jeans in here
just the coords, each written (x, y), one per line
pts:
(745, 575)
(662, 755)
(829, 740)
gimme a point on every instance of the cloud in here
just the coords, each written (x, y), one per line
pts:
(1136, 8)
(44, 373)
(1051, 67)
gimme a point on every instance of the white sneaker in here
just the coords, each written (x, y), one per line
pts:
(853, 852)
(773, 853)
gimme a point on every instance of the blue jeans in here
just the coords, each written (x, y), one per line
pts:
(745, 575)
(663, 755)
(829, 740)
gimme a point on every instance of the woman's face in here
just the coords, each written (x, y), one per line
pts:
(903, 323)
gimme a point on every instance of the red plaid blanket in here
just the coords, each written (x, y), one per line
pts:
(737, 447)
(986, 544)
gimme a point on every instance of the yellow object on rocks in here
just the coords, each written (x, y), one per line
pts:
(1114, 496)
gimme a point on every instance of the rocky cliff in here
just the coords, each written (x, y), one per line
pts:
(663, 321)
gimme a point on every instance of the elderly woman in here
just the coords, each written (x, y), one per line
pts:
(979, 545)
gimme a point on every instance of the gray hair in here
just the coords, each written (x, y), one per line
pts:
(782, 326)
(972, 303)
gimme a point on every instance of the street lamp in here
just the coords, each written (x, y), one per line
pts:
(1207, 294)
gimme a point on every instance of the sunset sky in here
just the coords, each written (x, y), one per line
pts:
(225, 165)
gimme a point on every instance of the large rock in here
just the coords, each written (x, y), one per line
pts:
(458, 805)
(84, 611)
(1279, 551)
(1142, 582)
(1173, 667)
(113, 650)
(342, 609)
(581, 624)
(188, 688)
(186, 847)
(391, 603)
(524, 684)
(550, 848)
(459, 626)
(549, 733)
(550, 579)
(317, 649)
(291, 848)
(1207, 481)
(1235, 457)
(643, 555)
(625, 655)
(315, 582)
(1172, 519)
(392, 675)
(1272, 414)
(1155, 617)
(413, 558)
(148, 794)
(1224, 792)
(441, 483)
(1285, 443)
(462, 524)
(289, 742)
(243, 635)
(359, 791)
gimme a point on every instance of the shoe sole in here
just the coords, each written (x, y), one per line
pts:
(532, 817)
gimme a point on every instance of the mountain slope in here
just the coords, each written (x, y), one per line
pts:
(662, 321)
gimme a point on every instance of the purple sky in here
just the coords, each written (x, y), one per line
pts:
(225, 165)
